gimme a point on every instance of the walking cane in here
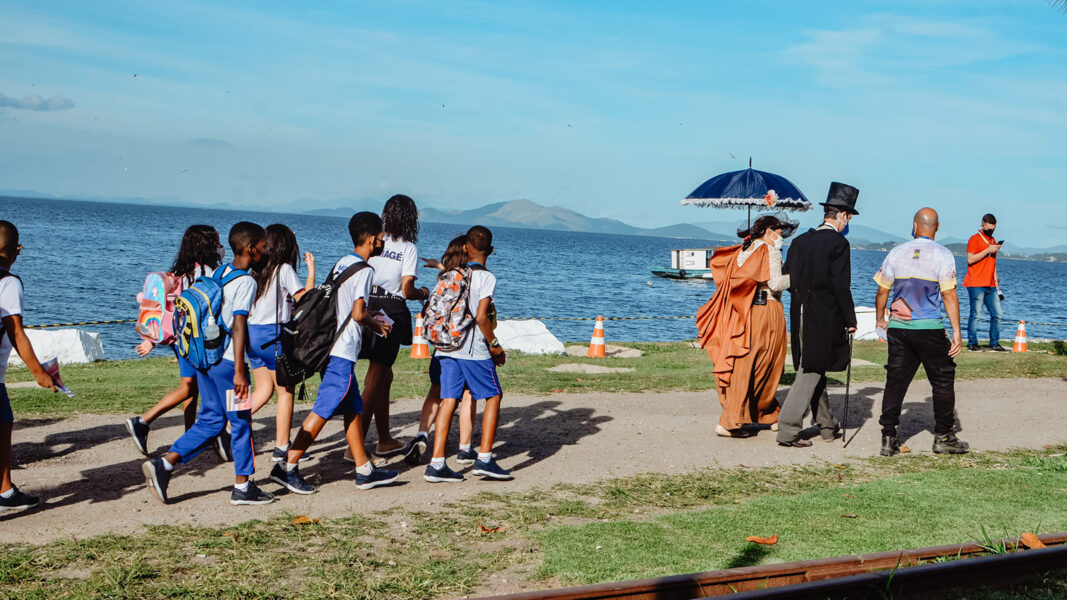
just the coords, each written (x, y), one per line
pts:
(848, 384)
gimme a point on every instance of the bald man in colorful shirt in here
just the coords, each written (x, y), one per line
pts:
(920, 275)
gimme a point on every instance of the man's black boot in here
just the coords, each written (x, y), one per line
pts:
(948, 443)
(890, 445)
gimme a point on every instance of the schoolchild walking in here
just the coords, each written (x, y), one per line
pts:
(395, 272)
(338, 394)
(470, 365)
(277, 288)
(224, 388)
(12, 335)
(455, 257)
(199, 254)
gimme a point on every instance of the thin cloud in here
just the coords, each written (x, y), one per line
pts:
(37, 103)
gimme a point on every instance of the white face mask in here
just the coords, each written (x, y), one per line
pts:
(778, 241)
(222, 254)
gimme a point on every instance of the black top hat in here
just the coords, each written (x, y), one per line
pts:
(842, 196)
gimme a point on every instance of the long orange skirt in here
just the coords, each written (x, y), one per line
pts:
(750, 396)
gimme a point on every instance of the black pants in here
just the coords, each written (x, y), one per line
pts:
(908, 348)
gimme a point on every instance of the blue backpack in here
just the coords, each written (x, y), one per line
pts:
(200, 335)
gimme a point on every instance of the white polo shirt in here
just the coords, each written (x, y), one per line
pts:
(358, 286)
(237, 298)
(11, 294)
(398, 260)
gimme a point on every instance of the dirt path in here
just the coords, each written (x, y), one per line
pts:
(88, 471)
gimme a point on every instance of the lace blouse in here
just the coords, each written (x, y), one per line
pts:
(778, 282)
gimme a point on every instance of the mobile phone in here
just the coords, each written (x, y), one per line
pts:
(1001, 242)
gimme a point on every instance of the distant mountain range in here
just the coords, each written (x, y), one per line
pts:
(526, 214)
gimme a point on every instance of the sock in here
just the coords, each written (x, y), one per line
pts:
(284, 448)
(437, 463)
(423, 434)
(485, 456)
(9, 493)
(290, 466)
(464, 447)
(167, 466)
(241, 486)
(142, 421)
(366, 468)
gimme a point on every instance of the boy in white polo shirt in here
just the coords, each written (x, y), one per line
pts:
(248, 242)
(473, 366)
(12, 335)
(339, 391)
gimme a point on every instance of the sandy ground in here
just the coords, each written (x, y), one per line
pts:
(88, 470)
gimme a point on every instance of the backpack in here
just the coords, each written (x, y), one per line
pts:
(447, 319)
(155, 314)
(312, 330)
(200, 335)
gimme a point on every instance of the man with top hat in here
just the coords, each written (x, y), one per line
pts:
(821, 316)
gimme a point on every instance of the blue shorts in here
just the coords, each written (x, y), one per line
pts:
(339, 391)
(478, 375)
(184, 368)
(6, 416)
(258, 356)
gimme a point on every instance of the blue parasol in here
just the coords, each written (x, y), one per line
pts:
(749, 188)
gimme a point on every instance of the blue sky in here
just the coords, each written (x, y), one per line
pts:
(615, 109)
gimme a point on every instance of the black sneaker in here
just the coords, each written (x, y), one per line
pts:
(489, 468)
(375, 478)
(890, 445)
(18, 500)
(948, 443)
(139, 432)
(158, 477)
(253, 495)
(467, 457)
(998, 348)
(416, 448)
(291, 480)
(974, 348)
(223, 446)
(441, 475)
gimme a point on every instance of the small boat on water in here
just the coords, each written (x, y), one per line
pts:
(691, 263)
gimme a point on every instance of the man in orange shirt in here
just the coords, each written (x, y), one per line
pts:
(982, 284)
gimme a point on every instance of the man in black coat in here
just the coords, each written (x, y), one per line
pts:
(821, 316)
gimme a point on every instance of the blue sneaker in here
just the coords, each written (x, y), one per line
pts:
(375, 478)
(253, 495)
(489, 468)
(19, 501)
(441, 475)
(279, 455)
(139, 432)
(467, 457)
(291, 480)
(223, 444)
(158, 477)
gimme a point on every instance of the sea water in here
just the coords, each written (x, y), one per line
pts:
(86, 261)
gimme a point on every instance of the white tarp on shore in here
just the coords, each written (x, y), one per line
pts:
(529, 337)
(68, 345)
(865, 322)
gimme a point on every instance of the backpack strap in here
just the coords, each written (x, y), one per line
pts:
(338, 282)
(234, 274)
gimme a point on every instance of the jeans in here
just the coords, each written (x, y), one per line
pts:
(991, 299)
(908, 348)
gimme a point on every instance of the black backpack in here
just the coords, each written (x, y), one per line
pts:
(312, 330)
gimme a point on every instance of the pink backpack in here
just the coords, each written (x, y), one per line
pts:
(156, 311)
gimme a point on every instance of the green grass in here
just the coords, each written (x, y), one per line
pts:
(127, 387)
(644, 525)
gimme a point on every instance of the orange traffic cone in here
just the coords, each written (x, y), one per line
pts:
(419, 347)
(1020, 338)
(596, 345)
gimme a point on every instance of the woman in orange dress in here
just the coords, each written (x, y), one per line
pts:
(742, 327)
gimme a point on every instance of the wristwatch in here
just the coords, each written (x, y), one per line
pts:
(495, 343)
